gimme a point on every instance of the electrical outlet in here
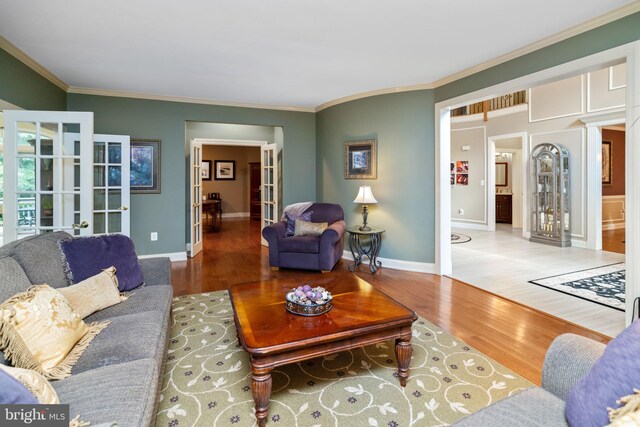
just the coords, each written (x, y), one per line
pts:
(154, 236)
(461, 211)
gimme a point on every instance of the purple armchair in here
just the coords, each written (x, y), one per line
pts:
(308, 252)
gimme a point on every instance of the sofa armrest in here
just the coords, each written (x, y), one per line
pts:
(156, 271)
(568, 359)
(333, 233)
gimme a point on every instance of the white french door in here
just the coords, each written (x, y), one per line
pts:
(47, 178)
(269, 191)
(196, 197)
(111, 195)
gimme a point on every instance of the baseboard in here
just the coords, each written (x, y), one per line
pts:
(398, 264)
(236, 215)
(579, 243)
(174, 256)
(470, 225)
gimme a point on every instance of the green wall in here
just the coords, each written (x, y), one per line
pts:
(166, 212)
(616, 33)
(25, 88)
(403, 126)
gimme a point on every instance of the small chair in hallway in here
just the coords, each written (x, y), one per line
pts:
(308, 252)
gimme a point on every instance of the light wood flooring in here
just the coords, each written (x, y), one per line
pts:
(511, 333)
(503, 262)
(613, 240)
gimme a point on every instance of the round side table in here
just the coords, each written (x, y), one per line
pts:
(365, 243)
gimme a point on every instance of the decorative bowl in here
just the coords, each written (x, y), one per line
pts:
(307, 301)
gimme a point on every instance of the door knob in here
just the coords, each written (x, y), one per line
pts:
(83, 224)
(123, 208)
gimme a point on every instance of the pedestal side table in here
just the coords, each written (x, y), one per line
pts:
(365, 243)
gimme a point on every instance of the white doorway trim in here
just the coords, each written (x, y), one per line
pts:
(218, 142)
(629, 53)
(594, 123)
(518, 191)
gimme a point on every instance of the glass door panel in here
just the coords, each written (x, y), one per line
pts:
(44, 186)
(196, 197)
(110, 169)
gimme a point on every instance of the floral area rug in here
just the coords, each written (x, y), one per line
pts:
(207, 380)
(602, 285)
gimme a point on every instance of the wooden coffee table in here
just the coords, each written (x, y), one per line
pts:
(273, 337)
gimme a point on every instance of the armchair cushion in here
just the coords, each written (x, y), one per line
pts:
(291, 221)
(304, 228)
(302, 244)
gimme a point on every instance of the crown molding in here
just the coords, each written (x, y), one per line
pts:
(558, 37)
(563, 35)
(184, 99)
(31, 63)
(367, 94)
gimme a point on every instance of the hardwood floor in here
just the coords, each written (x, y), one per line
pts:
(511, 333)
(613, 240)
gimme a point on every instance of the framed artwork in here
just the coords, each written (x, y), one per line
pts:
(453, 179)
(462, 179)
(225, 170)
(206, 170)
(462, 166)
(145, 166)
(360, 160)
(606, 162)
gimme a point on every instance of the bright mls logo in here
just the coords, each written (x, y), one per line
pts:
(34, 415)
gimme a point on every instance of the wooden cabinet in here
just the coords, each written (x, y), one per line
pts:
(503, 208)
(254, 190)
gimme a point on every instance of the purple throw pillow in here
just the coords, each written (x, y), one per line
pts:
(13, 391)
(291, 221)
(88, 256)
(614, 375)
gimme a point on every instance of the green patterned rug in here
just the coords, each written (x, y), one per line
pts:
(207, 381)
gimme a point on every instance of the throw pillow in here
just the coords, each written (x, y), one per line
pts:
(614, 374)
(94, 294)
(40, 331)
(13, 391)
(304, 228)
(88, 256)
(35, 383)
(291, 221)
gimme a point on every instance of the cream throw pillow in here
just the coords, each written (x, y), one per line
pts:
(94, 294)
(40, 331)
(35, 383)
(304, 228)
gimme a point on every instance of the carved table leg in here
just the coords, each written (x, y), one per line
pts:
(261, 388)
(403, 354)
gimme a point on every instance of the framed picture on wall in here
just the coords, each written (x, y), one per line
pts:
(225, 170)
(606, 162)
(145, 166)
(206, 170)
(360, 160)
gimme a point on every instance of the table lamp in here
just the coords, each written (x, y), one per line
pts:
(365, 197)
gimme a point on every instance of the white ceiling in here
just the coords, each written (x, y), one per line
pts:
(297, 53)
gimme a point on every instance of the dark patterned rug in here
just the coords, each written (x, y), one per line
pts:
(459, 238)
(602, 285)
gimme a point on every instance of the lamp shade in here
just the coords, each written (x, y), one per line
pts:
(365, 196)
